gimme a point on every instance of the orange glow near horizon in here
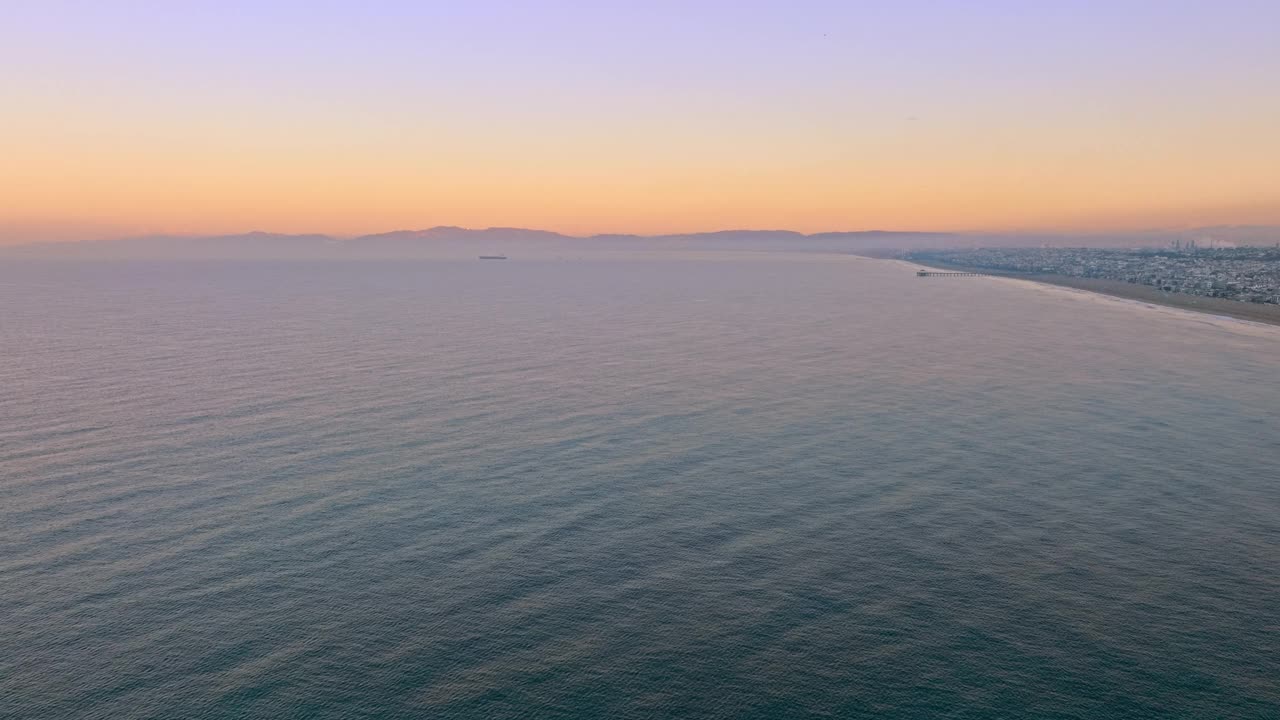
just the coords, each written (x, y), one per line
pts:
(165, 137)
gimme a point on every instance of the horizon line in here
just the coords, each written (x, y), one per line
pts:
(345, 237)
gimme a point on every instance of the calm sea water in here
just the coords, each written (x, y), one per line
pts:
(714, 487)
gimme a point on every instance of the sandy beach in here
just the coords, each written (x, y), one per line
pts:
(1256, 312)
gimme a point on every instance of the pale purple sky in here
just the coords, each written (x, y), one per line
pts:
(596, 116)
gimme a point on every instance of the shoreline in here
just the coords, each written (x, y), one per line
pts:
(1254, 312)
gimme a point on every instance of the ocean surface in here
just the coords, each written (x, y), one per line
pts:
(703, 486)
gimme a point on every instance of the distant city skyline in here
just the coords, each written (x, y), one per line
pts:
(132, 118)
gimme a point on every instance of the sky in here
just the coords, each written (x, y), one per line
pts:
(125, 118)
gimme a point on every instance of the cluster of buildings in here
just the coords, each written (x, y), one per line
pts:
(1250, 274)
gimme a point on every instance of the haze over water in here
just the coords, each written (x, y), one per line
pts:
(718, 486)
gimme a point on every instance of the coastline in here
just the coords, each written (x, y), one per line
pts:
(1254, 312)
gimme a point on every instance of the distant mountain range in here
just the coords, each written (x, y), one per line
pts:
(510, 239)
(462, 242)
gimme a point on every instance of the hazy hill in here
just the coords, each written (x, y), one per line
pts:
(449, 241)
(456, 242)
(464, 242)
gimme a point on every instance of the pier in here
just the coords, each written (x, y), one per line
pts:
(940, 273)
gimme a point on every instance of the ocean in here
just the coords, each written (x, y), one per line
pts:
(646, 486)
